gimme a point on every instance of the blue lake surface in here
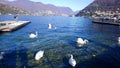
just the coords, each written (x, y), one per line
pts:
(102, 50)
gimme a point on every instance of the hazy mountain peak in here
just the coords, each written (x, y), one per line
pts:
(39, 8)
(7, 9)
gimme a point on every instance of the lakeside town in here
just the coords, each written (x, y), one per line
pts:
(102, 11)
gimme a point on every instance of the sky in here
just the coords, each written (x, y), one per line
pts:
(75, 5)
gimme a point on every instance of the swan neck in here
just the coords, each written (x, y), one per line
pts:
(36, 33)
(118, 38)
(85, 41)
(71, 56)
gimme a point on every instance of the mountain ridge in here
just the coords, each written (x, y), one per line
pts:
(39, 8)
(6, 9)
(101, 7)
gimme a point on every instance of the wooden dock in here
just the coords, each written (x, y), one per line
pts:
(8, 26)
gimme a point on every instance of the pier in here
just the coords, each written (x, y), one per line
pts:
(8, 26)
(106, 21)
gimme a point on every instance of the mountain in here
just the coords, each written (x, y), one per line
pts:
(101, 8)
(6, 9)
(38, 8)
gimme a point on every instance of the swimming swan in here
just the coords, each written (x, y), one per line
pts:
(39, 55)
(33, 35)
(118, 40)
(81, 42)
(72, 61)
(49, 26)
(2, 55)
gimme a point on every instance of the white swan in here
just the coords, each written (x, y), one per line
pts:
(94, 55)
(118, 40)
(33, 35)
(55, 27)
(39, 55)
(72, 61)
(81, 42)
(1, 55)
(49, 26)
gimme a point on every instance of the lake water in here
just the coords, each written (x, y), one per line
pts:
(102, 50)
